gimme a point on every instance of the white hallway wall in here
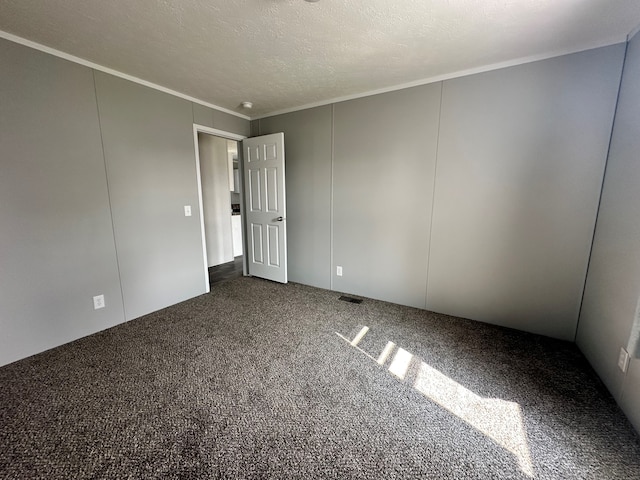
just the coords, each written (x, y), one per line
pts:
(216, 198)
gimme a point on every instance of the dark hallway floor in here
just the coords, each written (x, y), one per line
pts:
(226, 271)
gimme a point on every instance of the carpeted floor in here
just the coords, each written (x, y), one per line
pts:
(261, 380)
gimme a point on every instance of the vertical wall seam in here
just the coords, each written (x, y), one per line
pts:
(331, 218)
(433, 195)
(604, 176)
(106, 175)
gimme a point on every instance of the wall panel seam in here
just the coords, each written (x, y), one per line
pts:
(106, 174)
(433, 196)
(331, 217)
(604, 176)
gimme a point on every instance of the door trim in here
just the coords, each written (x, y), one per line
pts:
(229, 136)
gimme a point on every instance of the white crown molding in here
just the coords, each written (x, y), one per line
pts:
(462, 73)
(448, 76)
(81, 61)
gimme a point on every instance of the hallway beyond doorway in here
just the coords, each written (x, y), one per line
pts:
(226, 271)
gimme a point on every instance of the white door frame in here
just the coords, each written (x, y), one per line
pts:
(229, 136)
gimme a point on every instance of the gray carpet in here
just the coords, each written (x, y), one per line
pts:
(253, 381)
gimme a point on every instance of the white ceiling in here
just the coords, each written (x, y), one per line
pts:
(283, 54)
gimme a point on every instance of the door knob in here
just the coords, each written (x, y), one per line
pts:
(279, 219)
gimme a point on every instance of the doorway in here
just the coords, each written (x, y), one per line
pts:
(221, 204)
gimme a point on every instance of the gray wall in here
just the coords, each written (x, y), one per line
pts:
(150, 156)
(520, 163)
(516, 158)
(613, 282)
(57, 247)
(209, 117)
(56, 242)
(384, 166)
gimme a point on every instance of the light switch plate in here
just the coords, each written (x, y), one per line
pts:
(187, 210)
(339, 271)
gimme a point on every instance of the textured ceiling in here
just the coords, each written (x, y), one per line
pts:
(281, 54)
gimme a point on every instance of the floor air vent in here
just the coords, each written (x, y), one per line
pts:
(344, 298)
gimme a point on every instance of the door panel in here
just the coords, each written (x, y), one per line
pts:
(253, 154)
(273, 245)
(254, 191)
(271, 151)
(256, 244)
(272, 189)
(266, 215)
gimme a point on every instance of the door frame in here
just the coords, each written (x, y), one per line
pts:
(229, 136)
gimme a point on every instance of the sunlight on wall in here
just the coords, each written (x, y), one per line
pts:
(498, 419)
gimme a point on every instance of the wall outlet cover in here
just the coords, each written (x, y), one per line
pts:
(98, 302)
(339, 271)
(623, 360)
(187, 210)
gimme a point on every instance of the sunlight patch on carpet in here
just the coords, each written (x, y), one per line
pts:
(498, 419)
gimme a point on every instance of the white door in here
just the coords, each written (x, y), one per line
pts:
(263, 162)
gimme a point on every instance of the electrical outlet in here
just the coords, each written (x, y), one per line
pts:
(187, 210)
(623, 360)
(98, 302)
(339, 271)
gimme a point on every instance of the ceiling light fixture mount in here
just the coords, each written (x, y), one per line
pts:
(247, 105)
